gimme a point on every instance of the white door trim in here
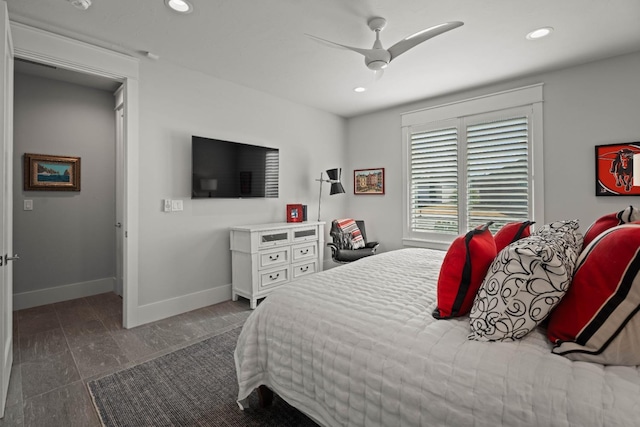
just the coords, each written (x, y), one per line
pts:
(6, 207)
(52, 49)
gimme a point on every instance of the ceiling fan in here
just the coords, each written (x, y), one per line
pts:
(378, 58)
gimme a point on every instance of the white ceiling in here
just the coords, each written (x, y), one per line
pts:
(261, 43)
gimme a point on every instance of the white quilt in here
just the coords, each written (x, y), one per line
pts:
(357, 346)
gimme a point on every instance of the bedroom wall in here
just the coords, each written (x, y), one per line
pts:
(587, 105)
(67, 242)
(187, 253)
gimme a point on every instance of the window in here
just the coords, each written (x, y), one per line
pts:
(466, 170)
(272, 165)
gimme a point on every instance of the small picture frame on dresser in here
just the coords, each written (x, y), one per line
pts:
(295, 213)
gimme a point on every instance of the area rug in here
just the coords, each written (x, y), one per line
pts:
(193, 386)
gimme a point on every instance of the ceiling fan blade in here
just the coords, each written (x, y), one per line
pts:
(421, 36)
(365, 52)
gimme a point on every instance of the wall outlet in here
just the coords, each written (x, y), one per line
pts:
(176, 205)
(167, 205)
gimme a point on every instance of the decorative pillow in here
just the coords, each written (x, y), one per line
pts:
(512, 232)
(608, 221)
(524, 283)
(463, 268)
(598, 320)
(567, 230)
(351, 233)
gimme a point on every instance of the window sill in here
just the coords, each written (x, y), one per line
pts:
(424, 243)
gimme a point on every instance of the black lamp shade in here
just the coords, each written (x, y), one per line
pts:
(334, 175)
(336, 188)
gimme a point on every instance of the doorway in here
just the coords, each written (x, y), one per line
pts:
(62, 112)
(90, 61)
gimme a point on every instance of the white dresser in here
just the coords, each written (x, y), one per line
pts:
(266, 256)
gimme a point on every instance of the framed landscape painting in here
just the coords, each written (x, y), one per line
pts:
(368, 181)
(51, 173)
(614, 169)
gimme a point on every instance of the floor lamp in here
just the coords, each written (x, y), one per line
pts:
(334, 180)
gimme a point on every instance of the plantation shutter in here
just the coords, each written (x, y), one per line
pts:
(498, 173)
(434, 181)
(271, 173)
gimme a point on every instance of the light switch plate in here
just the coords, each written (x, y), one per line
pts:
(167, 205)
(28, 205)
(176, 205)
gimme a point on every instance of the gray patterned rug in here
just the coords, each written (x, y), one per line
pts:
(194, 386)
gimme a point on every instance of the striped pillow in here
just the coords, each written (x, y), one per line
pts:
(597, 320)
(349, 228)
(511, 232)
(605, 222)
(463, 268)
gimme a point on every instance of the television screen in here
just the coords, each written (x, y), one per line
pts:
(225, 169)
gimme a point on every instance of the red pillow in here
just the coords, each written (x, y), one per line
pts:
(462, 271)
(598, 320)
(608, 221)
(512, 232)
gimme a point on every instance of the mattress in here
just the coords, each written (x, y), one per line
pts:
(357, 345)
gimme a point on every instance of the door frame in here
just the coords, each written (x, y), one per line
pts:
(6, 216)
(51, 49)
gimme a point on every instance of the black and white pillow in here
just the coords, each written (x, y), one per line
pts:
(525, 282)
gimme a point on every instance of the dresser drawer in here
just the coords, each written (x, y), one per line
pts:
(304, 251)
(273, 258)
(303, 269)
(304, 233)
(272, 238)
(274, 277)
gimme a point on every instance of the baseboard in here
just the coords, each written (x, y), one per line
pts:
(178, 305)
(63, 293)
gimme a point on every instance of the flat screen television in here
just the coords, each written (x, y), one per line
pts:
(232, 170)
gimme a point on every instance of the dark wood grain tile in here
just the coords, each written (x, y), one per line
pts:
(41, 376)
(13, 416)
(68, 406)
(98, 357)
(74, 311)
(37, 321)
(139, 342)
(177, 329)
(85, 332)
(42, 345)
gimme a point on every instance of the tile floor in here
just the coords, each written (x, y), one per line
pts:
(59, 347)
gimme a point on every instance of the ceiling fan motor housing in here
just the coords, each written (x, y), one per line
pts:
(377, 59)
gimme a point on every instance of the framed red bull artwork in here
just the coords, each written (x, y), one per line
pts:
(614, 169)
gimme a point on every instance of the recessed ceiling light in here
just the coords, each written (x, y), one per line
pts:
(182, 6)
(359, 89)
(81, 4)
(539, 33)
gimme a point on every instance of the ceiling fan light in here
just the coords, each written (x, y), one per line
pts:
(377, 65)
(81, 4)
(182, 6)
(539, 33)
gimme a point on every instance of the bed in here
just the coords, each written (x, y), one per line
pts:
(357, 345)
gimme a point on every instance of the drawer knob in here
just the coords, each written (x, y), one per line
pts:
(274, 277)
(274, 258)
(303, 270)
(306, 251)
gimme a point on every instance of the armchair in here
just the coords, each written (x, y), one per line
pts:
(342, 250)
